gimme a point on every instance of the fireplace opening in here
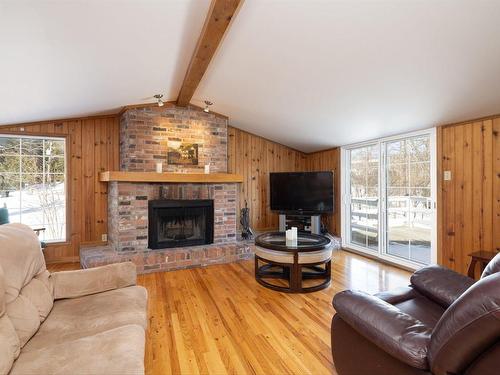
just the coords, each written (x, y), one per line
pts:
(179, 223)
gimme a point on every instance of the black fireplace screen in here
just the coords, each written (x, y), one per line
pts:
(179, 223)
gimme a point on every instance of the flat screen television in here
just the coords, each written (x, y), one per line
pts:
(302, 192)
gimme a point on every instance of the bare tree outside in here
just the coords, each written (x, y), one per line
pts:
(364, 196)
(408, 197)
(32, 183)
(409, 205)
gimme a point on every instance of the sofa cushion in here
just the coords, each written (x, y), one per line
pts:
(9, 344)
(9, 341)
(20, 257)
(423, 309)
(410, 301)
(397, 295)
(28, 295)
(24, 316)
(39, 292)
(117, 351)
(75, 318)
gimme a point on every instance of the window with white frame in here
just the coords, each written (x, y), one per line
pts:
(33, 183)
(388, 190)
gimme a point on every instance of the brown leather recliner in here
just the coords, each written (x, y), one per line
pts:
(443, 323)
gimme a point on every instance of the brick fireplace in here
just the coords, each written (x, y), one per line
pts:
(145, 135)
(128, 210)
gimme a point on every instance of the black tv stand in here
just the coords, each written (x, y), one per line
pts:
(304, 223)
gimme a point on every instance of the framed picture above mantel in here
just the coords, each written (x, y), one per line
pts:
(182, 153)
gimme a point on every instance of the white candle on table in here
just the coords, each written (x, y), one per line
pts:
(290, 241)
(159, 167)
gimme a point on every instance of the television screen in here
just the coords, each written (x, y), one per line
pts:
(302, 192)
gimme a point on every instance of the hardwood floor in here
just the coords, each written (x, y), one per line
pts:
(218, 320)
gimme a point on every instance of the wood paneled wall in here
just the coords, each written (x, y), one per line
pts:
(469, 203)
(328, 160)
(255, 157)
(92, 146)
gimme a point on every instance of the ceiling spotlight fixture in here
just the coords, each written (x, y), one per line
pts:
(158, 97)
(207, 106)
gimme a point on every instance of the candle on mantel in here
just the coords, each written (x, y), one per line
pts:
(207, 168)
(159, 167)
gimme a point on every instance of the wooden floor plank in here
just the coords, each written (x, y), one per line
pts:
(219, 320)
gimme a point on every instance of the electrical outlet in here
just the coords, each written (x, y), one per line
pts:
(104, 237)
(447, 175)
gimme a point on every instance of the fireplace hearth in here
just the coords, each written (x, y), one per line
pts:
(180, 223)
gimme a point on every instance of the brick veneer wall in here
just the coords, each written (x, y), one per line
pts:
(145, 133)
(128, 210)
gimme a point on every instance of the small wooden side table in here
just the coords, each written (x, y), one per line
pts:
(481, 257)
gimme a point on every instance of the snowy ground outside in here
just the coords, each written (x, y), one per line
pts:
(409, 230)
(39, 206)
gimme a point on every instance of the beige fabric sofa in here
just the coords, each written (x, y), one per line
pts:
(74, 322)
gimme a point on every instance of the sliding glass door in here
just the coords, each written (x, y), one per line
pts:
(364, 187)
(388, 190)
(409, 199)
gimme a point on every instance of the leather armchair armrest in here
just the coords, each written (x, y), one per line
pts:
(392, 330)
(440, 284)
(72, 284)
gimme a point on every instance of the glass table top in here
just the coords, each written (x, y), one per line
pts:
(305, 241)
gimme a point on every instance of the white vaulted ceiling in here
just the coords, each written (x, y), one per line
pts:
(308, 74)
(66, 58)
(316, 74)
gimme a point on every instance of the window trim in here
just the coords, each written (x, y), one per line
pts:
(381, 252)
(67, 173)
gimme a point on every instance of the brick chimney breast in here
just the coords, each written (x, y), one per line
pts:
(146, 132)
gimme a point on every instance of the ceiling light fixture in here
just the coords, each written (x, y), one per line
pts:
(207, 106)
(158, 97)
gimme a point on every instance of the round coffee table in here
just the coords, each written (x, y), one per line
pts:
(310, 258)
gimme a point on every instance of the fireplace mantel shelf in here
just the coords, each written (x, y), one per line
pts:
(201, 178)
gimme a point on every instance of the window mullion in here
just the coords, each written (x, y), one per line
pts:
(408, 178)
(20, 181)
(367, 166)
(382, 198)
(43, 179)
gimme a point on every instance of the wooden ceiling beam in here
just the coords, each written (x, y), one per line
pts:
(218, 19)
